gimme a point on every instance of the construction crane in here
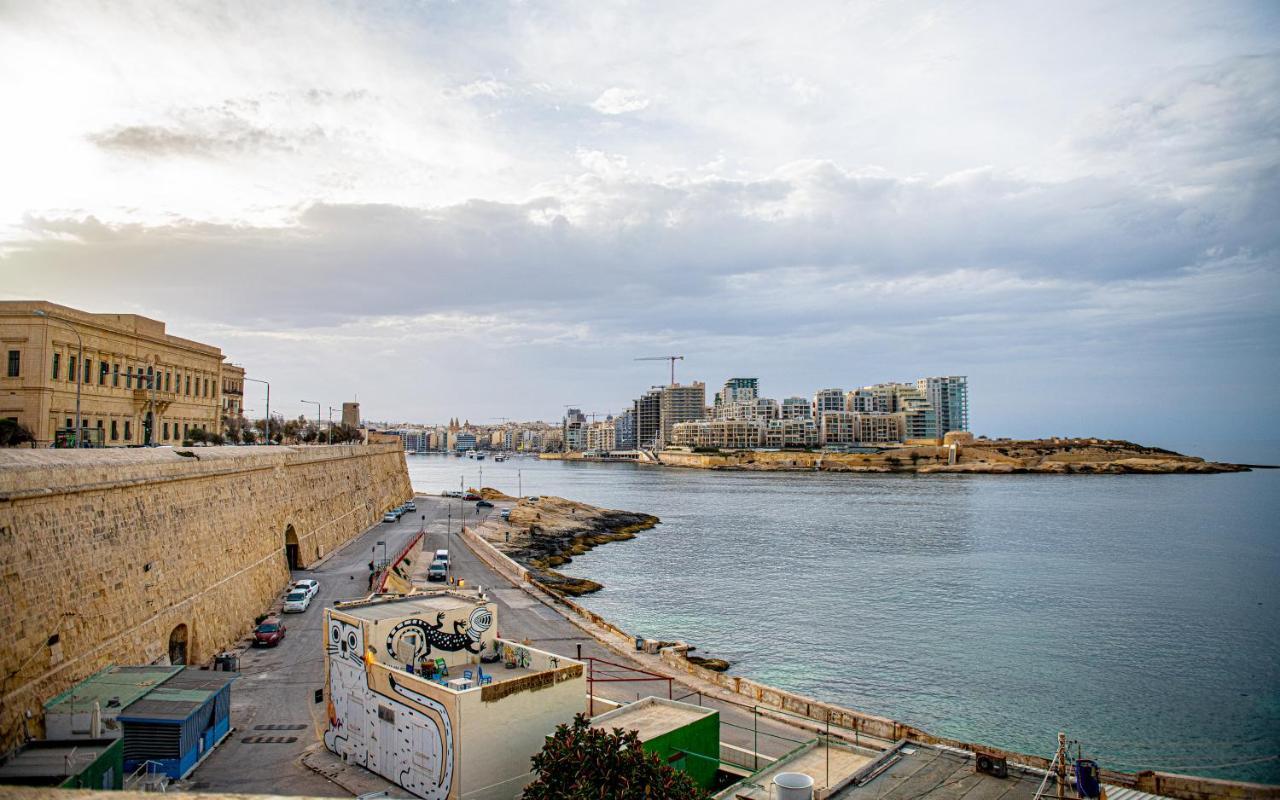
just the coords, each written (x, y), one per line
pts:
(672, 359)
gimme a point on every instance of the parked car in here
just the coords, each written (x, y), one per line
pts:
(390, 517)
(438, 570)
(410, 506)
(297, 602)
(533, 498)
(506, 513)
(484, 504)
(471, 496)
(306, 585)
(269, 633)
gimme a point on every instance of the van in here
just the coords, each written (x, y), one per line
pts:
(441, 555)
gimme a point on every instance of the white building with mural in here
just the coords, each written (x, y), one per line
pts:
(412, 699)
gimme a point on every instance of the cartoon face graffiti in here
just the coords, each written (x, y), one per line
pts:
(405, 736)
(344, 645)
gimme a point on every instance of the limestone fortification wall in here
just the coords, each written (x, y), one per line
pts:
(104, 554)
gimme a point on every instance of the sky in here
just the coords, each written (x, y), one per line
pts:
(490, 210)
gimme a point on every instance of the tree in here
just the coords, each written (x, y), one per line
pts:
(580, 762)
(14, 433)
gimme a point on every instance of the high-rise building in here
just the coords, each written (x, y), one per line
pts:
(738, 390)
(681, 403)
(138, 384)
(949, 396)
(624, 430)
(648, 414)
(575, 430)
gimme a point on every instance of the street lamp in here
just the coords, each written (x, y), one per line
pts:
(331, 424)
(317, 402)
(79, 369)
(268, 431)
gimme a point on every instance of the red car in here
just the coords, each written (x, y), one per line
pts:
(269, 633)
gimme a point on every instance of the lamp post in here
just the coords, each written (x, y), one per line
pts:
(268, 431)
(79, 368)
(331, 424)
(317, 402)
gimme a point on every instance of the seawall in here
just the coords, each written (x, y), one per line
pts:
(844, 722)
(131, 556)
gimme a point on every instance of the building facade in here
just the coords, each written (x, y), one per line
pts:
(827, 400)
(648, 414)
(137, 384)
(680, 403)
(795, 408)
(351, 415)
(949, 397)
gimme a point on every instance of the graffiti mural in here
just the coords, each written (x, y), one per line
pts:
(383, 724)
(414, 639)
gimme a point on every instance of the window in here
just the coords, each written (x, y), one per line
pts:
(115, 432)
(15, 363)
(71, 368)
(68, 423)
(128, 434)
(167, 381)
(103, 369)
(88, 370)
(166, 430)
(128, 377)
(188, 386)
(184, 429)
(115, 376)
(150, 375)
(57, 364)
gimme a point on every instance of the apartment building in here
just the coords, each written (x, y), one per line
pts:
(648, 414)
(682, 403)
(624, 430)
(725, 434)
(137, 383)
(790, 433)
(827, 400)
(949, 396)
(738, 390)
(795, 408)
(601, 436)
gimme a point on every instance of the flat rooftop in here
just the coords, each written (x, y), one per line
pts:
(113, 688)
(52, 762)
(651, 717)
(827, 765)
(394, 607)
(917, 770)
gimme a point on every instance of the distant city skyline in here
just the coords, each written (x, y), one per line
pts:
(491, 210)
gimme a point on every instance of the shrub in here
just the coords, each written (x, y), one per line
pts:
(580, 762)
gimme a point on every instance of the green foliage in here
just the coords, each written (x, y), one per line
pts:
(13, 433)
(580, 762)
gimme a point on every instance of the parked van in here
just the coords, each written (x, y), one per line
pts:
(441, 555)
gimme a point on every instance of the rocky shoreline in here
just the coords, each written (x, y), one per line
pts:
(967, 456)
(548, 532)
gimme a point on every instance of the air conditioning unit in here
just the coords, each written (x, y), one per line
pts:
(992, 765)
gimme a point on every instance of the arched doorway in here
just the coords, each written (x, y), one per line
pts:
(291, 547)
(178, 645)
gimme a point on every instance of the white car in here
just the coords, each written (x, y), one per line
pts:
(307, 585)
(296, 601)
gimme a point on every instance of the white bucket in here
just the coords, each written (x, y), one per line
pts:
(792, 786)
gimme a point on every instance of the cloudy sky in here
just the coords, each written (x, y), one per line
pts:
(490, 209)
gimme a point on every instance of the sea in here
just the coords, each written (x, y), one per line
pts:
(1139, 614)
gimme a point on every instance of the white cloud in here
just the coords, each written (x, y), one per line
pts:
(616, 100)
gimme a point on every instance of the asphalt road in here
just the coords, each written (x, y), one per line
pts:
(273, 708)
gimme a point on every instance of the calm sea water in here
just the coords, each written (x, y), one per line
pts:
(1141, 614)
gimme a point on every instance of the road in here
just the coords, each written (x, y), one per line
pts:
(273, 708)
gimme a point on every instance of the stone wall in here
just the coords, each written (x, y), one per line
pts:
(108, 556)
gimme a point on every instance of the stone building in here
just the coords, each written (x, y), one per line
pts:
(351, 415)
(232, 382)
(138, 384)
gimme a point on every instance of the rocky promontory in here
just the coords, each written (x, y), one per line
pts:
(965, 454)
(547, 532)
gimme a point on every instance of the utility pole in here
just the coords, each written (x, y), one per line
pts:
(267, 433)
(330, 424)
(317, 402)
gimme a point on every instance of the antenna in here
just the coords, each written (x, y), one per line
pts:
(672, 359)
